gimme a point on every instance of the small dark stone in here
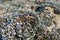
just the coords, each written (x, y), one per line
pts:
(39, 9)
(35, 37)
(56, 11)
(32, 7)
(18, 5)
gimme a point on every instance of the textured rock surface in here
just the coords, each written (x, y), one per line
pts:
(29, 20)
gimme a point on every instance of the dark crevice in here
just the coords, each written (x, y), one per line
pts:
(0, 37)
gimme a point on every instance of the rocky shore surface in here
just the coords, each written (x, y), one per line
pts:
(29, 19)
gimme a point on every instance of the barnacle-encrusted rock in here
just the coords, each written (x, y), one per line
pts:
(29, 20)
